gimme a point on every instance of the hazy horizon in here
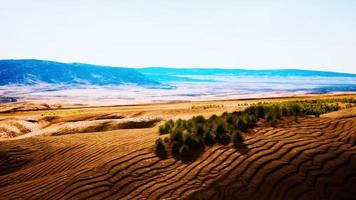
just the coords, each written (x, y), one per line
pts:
(309, 35)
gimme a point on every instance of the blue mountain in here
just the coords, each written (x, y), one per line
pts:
(40, 71)
(237, 72)
(30, 71)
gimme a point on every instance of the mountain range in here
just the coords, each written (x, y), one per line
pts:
(30, 72)
(163, 73)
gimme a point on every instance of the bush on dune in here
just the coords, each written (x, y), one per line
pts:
(161, 150)
(237, 139)
(189, 138)
(222, 132)
(166, 127)
(209, 139)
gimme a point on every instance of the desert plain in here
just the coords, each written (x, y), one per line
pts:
(107, 152)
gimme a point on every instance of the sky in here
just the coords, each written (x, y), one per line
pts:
(250, 34)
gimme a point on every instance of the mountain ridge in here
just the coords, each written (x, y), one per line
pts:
(34, 71)
(256, 72)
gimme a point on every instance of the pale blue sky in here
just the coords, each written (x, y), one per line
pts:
(251, 34)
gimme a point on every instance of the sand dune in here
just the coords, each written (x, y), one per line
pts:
(312, 159)
(27, 106)
(95, 126)
(16, 127)
(346, 113)
(55, 125)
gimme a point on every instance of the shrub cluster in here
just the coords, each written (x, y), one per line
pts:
(274, 111)
(207, 106)
(188, 138)
(331, 100)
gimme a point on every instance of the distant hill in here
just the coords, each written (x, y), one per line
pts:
(158, 72)
(30, 72)
(40, 71)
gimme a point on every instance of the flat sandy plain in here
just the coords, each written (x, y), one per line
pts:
(66, 152)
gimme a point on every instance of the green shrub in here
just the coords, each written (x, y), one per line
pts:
(317, 113)
(195, 143)
(213, 118)
(221, 133)
(209, 139)
(200, 130)
(177, 135)
(166, 140)
(175, 149)
(271, 119)
(199, 119)
(237, 139)
(161, 151)
(231, 119)
(184, 151)
(162, 130)
(166, 127)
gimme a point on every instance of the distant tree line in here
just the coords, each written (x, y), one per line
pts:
(207, 106)
(188, 138)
